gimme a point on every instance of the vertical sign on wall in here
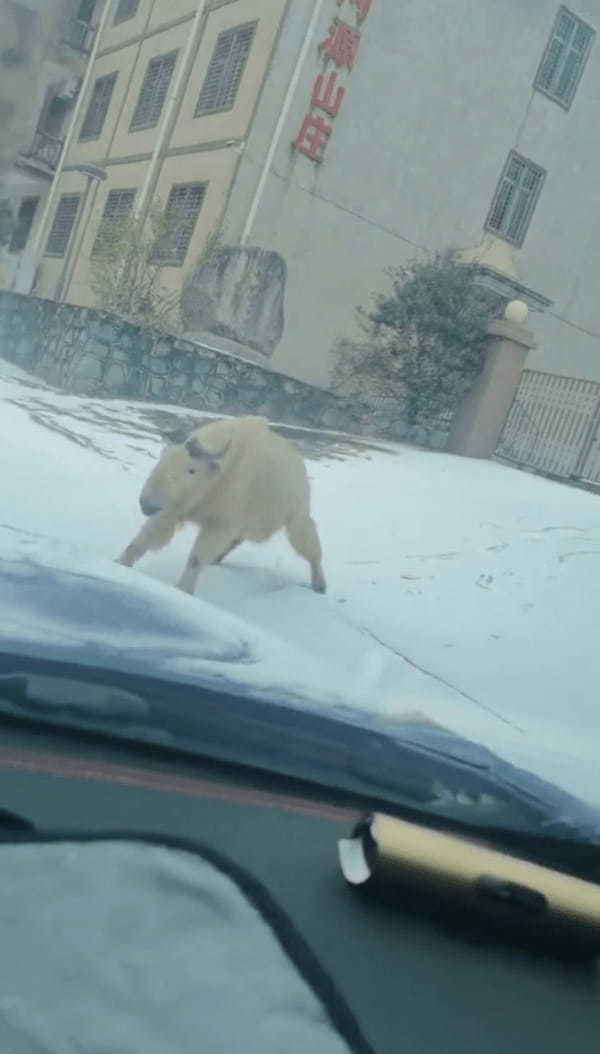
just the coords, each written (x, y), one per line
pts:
(340, 49)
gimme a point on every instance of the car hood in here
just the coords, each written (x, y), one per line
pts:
(90, 645)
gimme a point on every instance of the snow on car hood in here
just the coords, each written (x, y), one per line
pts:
(58, 603)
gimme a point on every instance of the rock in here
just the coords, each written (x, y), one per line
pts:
(237, 293)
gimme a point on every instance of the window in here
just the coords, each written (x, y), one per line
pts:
(564, 58)
(25, 217)
(119, 204)
(85, 12)
(52, 118)
(225, 69)
(181, 213)
(153, 91)
(515, 199)
(64, 218)
(125, 9)
(98, 107)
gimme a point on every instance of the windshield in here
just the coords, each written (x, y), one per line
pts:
(299, 384)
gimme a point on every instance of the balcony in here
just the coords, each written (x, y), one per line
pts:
(45, 150)
(79, 35)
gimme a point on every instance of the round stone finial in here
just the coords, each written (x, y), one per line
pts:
(516, 311)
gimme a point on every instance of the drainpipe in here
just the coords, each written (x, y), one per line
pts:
(170, 113)
(279, 127)
(35, 252)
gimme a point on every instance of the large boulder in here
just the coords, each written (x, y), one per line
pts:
(237, 293)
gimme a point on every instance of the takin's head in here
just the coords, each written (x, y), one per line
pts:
(184, 474)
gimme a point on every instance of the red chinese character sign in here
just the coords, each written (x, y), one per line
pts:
(340, 48)
(362, 7)
(342, 44)
(312, 137)
(327, 94)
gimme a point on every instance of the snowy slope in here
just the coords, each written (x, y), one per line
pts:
(465, 590)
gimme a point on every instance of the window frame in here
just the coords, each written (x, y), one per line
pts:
(91, 137)
(232, 30)
(175, 260)
(140, 127)
(96, 246)
(518, 242)
(565, 102)
(60, 255)
(119, 18)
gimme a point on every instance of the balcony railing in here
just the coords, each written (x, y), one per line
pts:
(79, 35)
(45, 149)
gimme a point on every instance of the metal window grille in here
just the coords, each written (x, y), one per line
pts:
(118, 206)
(565, 57)
(62, 226)
(226, 69)
(153, 91)
(98, 107)
(515, 198)
(181, 214)
(125, 9)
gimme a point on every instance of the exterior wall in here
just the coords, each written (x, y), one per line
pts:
(439, 95)
(34, 32)
(204, 149)
(230, 124)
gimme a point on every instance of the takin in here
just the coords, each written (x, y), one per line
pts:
(237, 481)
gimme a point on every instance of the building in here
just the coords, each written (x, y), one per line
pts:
(44, 50)
(328, 140)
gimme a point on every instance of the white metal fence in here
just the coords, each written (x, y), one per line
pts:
(554, 426)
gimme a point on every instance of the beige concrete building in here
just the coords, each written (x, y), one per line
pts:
(328, 140)
(44, 51)
(172, 95)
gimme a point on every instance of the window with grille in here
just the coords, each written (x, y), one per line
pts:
(62, 227)
(125, 9)
(153, 91)
(181, 214)
(565, 57)
(98, 107)
(515, 198)
(225, 69)
(118, 206)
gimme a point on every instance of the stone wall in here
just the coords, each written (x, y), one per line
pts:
(89, 352)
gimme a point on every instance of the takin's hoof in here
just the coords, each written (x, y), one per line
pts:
(320, 586)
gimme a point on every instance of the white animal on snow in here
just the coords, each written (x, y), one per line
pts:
(237, 481)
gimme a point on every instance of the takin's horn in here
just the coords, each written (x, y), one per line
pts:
(195, 449)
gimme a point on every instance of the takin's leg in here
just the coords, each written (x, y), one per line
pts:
(229, 550)
(155, 534)
(205, 551)
(303, 536)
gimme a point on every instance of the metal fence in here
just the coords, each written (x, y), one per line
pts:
(554, 426)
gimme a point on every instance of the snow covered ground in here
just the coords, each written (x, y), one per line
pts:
(465, 590)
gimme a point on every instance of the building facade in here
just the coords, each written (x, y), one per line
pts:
(326, 141)
(44, 50)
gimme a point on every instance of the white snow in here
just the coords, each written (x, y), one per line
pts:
(462, 589)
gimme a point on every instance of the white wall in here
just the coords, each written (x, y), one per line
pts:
(439, 95)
